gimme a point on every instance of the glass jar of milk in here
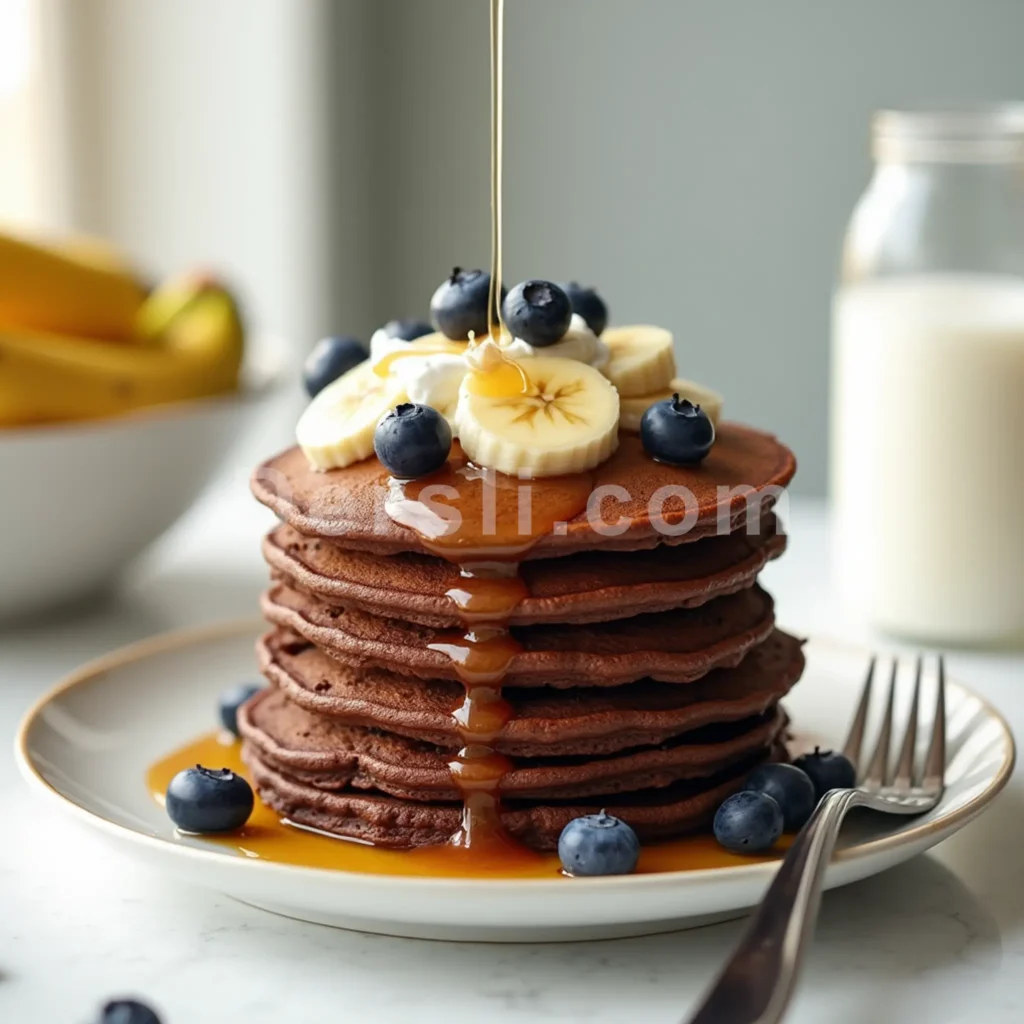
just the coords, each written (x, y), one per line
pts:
(927, 451)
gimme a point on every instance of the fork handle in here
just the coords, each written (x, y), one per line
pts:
(757, 983)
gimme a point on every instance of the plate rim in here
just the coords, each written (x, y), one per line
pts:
(172, 640)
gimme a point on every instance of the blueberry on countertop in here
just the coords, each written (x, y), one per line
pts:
(828, 769)
(748, 822)
(790, 788)
(231, 700)
(598, 844)
(588, 304)
(127, 1011)
(539, 312)
(209, 800)
(676, 432)
(330, 358)
(407, 330)
(412, 441)
(459, 306)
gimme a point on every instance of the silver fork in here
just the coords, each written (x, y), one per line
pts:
(756, 985)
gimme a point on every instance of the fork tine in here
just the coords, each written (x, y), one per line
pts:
(855, 741)
(905, 767)
(878, 769)
(935, 762)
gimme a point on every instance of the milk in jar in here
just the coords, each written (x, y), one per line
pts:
(927, 399)
(928, 453)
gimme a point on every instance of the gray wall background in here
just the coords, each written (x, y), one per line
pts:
(694, 159)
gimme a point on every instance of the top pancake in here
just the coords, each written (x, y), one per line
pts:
(741, 476)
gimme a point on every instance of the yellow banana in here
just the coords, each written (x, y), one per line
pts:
(170, 299)
(97, 252)
(49, 377)
(45, 289)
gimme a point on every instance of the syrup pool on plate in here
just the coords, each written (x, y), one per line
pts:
(268, 838)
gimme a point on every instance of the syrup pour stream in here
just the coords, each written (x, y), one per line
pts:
(480, 542)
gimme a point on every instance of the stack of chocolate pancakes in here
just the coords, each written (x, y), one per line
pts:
(470, 657)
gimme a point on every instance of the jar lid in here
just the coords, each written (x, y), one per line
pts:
(983, 134)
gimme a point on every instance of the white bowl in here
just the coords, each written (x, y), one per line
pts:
(79, 501)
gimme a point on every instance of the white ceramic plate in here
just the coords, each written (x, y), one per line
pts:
(86, 745)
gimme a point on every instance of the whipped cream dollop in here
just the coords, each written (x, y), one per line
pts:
(486, 356)
(579, 342)
(382, 344)
(433, 378)
(429, 378)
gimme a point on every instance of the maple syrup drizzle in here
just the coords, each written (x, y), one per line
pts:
(485, 523)
(436, 346)
(488, 590)
(494, 324)
(505, 379)
(478, 518)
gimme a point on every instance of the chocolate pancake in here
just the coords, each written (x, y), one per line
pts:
(327, 754)
(581, 721)
(590, 586)
(743, 472)
(674, 810)
(676, 646)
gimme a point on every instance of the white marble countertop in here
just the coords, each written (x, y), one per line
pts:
(940, 939)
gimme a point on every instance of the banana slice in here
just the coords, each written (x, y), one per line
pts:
(631, 410)
(337, 427)
(565, 422)
(641, 361)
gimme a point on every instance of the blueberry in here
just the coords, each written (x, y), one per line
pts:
(407, 330)
(598, 844)
(459, 305)
(790, 788)
(748, 822)
(413, 440)
(330, 358)
(828, 769)
(588, 304)
(231, 700)
(538, 312)
(209, 800)
(127, 1011)
(677, 432)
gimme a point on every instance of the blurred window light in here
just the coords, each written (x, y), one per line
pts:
(21, 114)
(17, 50)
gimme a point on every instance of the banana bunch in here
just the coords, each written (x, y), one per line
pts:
(81, 339)
(81, 289)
